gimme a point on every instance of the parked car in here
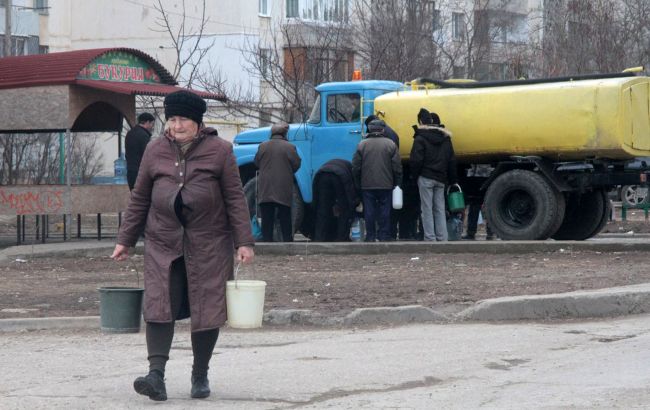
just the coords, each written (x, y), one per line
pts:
(632, 195)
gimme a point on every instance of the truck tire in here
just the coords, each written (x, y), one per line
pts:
(584, 216)
(523, 205)
(297, 207)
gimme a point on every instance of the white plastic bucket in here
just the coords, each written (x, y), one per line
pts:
(245, 302)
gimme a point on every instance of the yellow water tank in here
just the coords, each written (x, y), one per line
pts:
(561, 121)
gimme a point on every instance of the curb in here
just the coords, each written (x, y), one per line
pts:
(99, 249)
(625, 300)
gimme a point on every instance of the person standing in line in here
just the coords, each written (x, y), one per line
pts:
(377, 169)
(433, 163)
(479, 173)
(277, 160)
(388, 131)
(335, 197)
(189, 200)
(135, 142)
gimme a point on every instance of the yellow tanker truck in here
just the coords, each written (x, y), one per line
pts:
(555, 147)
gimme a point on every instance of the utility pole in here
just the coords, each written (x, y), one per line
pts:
(8, 48)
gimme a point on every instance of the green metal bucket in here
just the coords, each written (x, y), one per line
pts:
(455, 200)
(120, 309)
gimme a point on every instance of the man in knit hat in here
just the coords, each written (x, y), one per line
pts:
(277, 161)
(377, 169)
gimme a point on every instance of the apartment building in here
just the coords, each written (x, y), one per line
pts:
(23, 20)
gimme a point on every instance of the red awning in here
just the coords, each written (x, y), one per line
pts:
(160, 90)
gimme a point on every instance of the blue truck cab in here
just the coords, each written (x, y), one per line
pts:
(333, 130)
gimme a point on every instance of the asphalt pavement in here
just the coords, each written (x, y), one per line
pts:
(578, 365)
(501, 353)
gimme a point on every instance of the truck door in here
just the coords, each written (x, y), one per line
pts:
(340, 128)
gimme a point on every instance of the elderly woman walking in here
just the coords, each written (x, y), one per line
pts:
(189, 201)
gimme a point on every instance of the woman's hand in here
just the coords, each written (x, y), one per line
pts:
(245, 254)
(120, 253)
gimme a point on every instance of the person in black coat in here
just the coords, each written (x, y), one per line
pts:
(433, 163)
(335, 197)
(135, 142)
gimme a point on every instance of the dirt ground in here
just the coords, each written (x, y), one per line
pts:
(334, 285)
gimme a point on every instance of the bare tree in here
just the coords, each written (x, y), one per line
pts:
(395, 38)
(296, 57)
(34, 159)
(186, 35)
(595, 36)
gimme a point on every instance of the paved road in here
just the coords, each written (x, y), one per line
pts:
(578, 365)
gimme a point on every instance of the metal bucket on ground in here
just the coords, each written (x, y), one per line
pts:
(120, 309)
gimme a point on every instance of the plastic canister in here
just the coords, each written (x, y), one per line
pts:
(120, 170)
(355, 230)
(398, 199)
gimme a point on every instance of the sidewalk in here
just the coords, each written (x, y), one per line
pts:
(586, 365)
(585, 304)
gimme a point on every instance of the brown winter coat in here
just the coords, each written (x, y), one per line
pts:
(217, 223)
(277, 160)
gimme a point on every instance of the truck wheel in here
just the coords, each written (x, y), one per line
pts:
(523, 205)
(297, 207)
(584, 216)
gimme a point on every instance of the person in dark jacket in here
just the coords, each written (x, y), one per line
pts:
(277, 160)
(135, 142)
(377, 169)
(189, 200)
(335, 197)
(433, 163)
(388, 131)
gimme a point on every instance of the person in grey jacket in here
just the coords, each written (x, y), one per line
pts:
(377, 169)
(277, 160)
(433, 163)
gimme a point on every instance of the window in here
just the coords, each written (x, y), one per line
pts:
(265, 8)
(343, 108)
(265, 119)
(458, 25)
(314, 117)
(436, 25)
(507, 27)
(293, 8)
(318, 10)
(18, 44)
(41, 6)
(265, 62)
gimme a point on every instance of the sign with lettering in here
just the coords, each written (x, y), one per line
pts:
(119, 66)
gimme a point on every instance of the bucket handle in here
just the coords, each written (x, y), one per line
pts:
(457, 186)
(235, 274)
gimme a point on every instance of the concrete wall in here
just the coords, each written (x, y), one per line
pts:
(35, 108)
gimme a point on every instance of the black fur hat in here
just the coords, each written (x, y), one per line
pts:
(185, 104)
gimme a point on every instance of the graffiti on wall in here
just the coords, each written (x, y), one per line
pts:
(32, 202)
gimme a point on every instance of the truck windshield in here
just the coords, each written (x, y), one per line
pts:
(314, 117)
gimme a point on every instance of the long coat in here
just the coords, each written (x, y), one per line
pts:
(135, 142)
(217, 222)
(277, 160)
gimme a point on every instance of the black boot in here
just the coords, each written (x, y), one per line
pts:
(152, 385)
(200, 387)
